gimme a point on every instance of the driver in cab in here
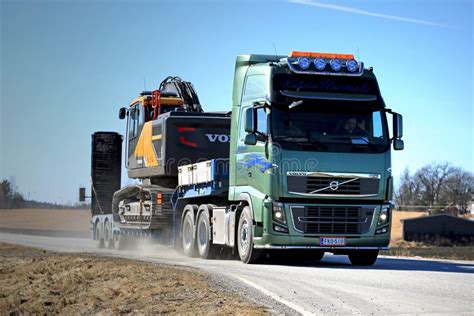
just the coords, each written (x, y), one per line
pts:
(352, 127)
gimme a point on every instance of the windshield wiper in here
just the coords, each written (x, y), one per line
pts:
(295, 104)
(291, 138)
(360, 140)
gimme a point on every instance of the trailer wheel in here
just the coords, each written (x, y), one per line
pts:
(247, 253)
(203, 241)
(98, 235)
(363, 257)
(108, 237)
(119, 242)
(188, 236)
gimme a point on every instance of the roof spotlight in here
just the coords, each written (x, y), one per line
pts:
(351, 65)
(320, 63)
(304, 62)
(335, 64)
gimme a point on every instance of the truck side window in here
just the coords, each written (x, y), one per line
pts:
(377, 124)
(254, 87)
(242, 132)
(134, 119)
(262, 121)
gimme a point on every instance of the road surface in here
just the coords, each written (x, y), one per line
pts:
(333, 286)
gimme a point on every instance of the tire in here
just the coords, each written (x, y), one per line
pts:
(188, 236)
(205, 248)
(98, 235)
(247, 253)
(119, 242)
(363, 257)
(108, 235)
(124, 242)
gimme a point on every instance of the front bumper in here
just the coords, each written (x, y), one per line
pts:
(296, 239)
(318, 247)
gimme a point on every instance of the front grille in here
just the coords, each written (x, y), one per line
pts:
(333, 185)
(321, 220)
(344, 185)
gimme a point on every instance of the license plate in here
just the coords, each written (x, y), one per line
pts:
(332, 241)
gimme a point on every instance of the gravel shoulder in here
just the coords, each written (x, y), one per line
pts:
(34, 281)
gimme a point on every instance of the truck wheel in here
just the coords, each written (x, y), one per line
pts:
(108, 237)
(98, 236)
(119, 242)
(363, 257)
(203, 242)
(187, 235)
(247, 253)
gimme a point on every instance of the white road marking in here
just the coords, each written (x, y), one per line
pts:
(277, 298)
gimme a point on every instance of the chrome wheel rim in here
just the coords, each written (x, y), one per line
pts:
(202, 234)
(244, 236)
(188, 236)
(106, 232)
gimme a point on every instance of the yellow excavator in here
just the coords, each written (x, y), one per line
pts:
(165, 128)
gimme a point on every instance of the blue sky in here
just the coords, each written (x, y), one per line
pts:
(67, 67)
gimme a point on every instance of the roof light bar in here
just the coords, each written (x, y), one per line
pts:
(324, 63)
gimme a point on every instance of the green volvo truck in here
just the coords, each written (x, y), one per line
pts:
(300, 166)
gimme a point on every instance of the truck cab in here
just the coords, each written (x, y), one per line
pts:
(310, 153)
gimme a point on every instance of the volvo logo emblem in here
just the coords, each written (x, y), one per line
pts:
(334, 185)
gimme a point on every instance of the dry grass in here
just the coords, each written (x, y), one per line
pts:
(418, 249)
(71, 220)
(33, 281)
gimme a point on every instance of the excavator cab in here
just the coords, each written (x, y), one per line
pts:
(167, 127)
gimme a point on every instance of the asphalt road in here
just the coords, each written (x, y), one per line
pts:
(333, 286)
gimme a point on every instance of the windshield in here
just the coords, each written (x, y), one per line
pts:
(329, 127)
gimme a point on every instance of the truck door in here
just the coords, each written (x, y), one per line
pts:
(251, 159)
(135, 124)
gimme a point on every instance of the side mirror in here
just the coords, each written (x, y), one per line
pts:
(398, 144)
(249, 120)
(122, 113)
(250, 139)
(397, 126)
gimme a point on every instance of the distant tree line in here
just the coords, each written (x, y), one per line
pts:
(10, 198)
(436, 186)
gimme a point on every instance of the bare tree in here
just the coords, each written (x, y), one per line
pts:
(432, 178)
(436, 184)
(458, 187)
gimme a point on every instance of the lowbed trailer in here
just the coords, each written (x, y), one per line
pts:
(300, 166)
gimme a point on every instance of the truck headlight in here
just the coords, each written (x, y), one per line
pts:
(278, 213)
(384, 215)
